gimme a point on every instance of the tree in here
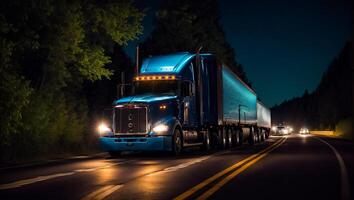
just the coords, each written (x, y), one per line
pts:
(48, 49)
(182, 25)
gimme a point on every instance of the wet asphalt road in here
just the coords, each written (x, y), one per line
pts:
(292, 167)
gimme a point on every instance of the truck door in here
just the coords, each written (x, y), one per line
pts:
(187, 103)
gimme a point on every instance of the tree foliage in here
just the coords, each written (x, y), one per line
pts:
(48, 50)
(182, 25)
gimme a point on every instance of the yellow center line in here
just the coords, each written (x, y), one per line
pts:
(217, 186)
(222, 173)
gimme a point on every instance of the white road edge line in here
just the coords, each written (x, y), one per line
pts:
(102, 192)
(345, 191)
(32, 180)
(29, 181)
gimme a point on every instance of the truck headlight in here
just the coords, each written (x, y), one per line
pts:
(103, 128)
(274, 128)
(160, 128)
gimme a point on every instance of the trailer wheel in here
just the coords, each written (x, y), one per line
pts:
(114, 153)
(233, 137)
(206, 141)
(251, 137)
(262, 135)
(221, 138)
(239, 136)
(177, 144)
(230, 136)
(267, 134)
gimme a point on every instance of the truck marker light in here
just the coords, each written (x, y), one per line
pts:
(163, 77)
(163, 107)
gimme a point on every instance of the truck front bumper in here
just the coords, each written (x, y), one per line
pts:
(159, 143)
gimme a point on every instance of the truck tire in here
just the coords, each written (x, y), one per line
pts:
(229, 137)
(206, 141)
(251, 137)
(233, 137)
(240, 137)
(221, 139)
(115, 153)
(177, 143)
(262, 136)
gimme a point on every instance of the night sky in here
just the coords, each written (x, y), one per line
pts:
(284, 46)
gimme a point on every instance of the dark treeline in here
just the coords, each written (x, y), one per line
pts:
(61, 62)
(329, 107)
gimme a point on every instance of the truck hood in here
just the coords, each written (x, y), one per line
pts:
(146, 98)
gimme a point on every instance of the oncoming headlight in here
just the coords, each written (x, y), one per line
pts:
(160, 128)
(274, 128)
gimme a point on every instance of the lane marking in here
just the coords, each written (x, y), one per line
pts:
(29, 181)
(20, 183)
(217, 186)
(180, 166)
(345, 191)
(102, 193)
(206, 182)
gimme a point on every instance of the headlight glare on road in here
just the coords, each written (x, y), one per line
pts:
(160, 128)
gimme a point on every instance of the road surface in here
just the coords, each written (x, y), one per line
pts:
(291, 167)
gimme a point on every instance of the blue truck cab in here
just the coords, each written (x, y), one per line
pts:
(163, 103)
(181, 100)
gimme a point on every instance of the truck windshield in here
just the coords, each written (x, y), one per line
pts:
(156, 87)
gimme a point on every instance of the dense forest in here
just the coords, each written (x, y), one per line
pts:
(330, 105)
(61, 62)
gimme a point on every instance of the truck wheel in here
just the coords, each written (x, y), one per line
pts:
(267, 134)
(114, 153)
(240, 137)
(230, 140)
(262, 136)
(221, 139)
(206, 141)
(177, 142)
(235, 137)
(251, 138)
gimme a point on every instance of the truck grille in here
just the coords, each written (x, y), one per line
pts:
(131, 120)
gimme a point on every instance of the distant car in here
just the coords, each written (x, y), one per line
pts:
(304, 131)
(280, 130)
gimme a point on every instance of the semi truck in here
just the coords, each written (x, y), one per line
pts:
(182, 100)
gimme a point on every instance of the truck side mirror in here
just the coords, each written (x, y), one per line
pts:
(186, 89)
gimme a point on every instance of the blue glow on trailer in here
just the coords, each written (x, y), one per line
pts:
(236, 94)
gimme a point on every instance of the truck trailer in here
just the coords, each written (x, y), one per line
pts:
(182, 100)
